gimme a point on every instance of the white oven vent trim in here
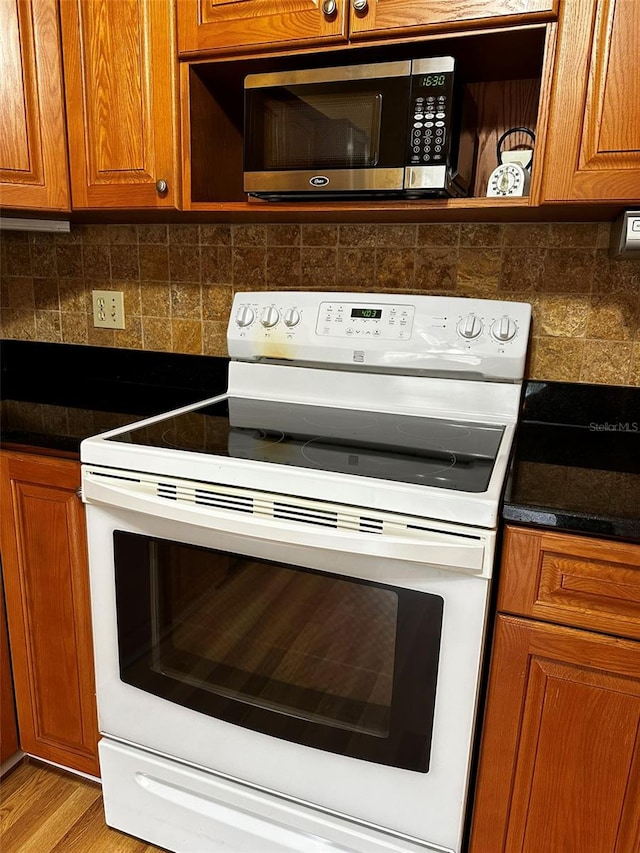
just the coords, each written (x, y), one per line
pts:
(267, 505)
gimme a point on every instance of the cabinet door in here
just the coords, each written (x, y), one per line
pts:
(398, 17)
(8, 728)
(560, 756)
(593, 144)
(244, 25)
(33, 147)
(121, 86)
(46, 576)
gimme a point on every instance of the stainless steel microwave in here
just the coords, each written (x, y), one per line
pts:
(389, 129)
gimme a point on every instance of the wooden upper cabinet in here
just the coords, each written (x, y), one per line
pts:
(403, 17)
(33, 150)
(245, 25)
(121, 94)
(593, 144)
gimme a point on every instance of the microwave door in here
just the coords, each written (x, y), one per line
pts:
(337, 136)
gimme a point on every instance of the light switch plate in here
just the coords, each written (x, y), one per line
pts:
(625, 235)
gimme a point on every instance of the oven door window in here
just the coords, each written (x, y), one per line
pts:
(324, 660)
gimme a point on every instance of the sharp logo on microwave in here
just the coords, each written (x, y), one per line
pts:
(319, 181)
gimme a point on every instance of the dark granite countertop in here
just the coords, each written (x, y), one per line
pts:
(576, 465)
(55, 395)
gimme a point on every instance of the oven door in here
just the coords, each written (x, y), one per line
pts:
(318, 658)
(337, 667)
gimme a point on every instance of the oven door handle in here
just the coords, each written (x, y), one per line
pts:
(423, 545)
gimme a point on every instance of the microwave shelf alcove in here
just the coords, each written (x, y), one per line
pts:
(506, 71)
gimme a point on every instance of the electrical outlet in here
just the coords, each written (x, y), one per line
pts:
(108, 309)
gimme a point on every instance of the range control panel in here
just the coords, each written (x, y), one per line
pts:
(367, 320)
(429, 334)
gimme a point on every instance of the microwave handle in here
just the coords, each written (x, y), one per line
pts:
(426, 547)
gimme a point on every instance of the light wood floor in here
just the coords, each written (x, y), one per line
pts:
(45, 810)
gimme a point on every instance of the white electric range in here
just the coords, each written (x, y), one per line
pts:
(290, 581)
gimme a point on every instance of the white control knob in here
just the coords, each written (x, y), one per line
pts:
(270, 317)
(245, 315)
(470, 326)
(291, 317)
(503, 329)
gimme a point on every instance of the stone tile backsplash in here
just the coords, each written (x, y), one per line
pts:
(179, 281)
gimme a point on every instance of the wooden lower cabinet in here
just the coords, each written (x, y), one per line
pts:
(560, 754)
(46, 578)
(8, 727)
(560, 765)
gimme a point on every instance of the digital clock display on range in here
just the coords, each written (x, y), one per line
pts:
(366, 313)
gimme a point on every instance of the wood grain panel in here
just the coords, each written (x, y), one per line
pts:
(33, 152)
(46, 810)
(571, 728)
(501, 106)
(46, 580)
(45, 527)
(8, 726)
(14, 129)
(235, 25)
(560, 755)
(593, 142)
(121, 95)
(206, 117)
(589, 583)
(612, 121)
(112, 35)
(407, 15)
(40, 817)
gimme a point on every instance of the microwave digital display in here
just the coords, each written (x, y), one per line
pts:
(434, 80)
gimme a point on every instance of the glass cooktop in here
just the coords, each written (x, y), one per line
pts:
(402, 448)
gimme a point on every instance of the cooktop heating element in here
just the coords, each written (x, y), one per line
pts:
(406, 448)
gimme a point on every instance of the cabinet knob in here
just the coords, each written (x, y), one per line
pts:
(161, 185)
(360, 5)
(329, 7)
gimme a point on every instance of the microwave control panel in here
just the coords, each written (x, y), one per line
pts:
(430, 102)
(429, 111)
(435, 334)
